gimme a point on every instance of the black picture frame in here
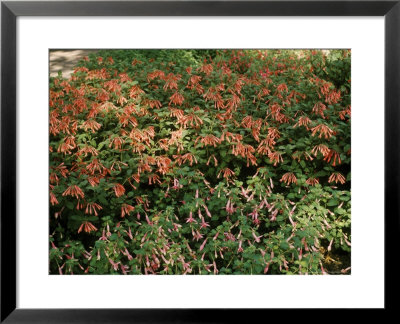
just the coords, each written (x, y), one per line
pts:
(10, 10)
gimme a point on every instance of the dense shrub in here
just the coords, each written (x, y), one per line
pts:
(198, 162)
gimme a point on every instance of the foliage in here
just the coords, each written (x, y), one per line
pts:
(200, 162)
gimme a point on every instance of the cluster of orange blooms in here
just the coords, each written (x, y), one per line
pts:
(144, 142)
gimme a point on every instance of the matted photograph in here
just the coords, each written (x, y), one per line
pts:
(200, 162)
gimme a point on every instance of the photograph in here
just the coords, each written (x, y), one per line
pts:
(199, 161)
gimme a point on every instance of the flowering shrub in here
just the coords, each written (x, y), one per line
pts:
(201, 162)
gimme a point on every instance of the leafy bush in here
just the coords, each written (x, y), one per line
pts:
(200, 162)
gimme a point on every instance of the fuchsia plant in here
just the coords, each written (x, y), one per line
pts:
(201, 162)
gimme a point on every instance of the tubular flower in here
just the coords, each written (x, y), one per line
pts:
(209, 159)
(190, 119)
(323, 130)
(323, 149)
(275, 157)
(91, 124)
(229, 207)
(53, 199)
(117, 142)
(175, 112)
(335, 155)
(155, 74)
(91, 208)
(126, 209)
(65, 148)
(337, 177)
(206, 68)
(87, 150)
(153, 178)
(119, 190)
(319, 109)
(171, 81)
(184, 158)
(190, 219)
(135, 92)
(343, 113)
(303, 121)
(74, 191)
(94, 181)
(312, 181)
(95, 166)
(289, 178)
(227, 173)
(209, 140)
(177, 99)
(282, 87)
(87, 227)
(263, 148)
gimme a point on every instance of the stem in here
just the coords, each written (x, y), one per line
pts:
(229, 262)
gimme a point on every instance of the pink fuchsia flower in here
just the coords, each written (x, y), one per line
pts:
(240, 249)
(197, 235)
(190, 219)
(330, 245)
(229, 207)
(103, 236)
(124, 268)
(207, 211)
(273, 215)
(108, 234)
(208, 266)
(256, 238)
(215, 268)
(203, 244)
(345, 270)
(347, 242)
(305, 244)
(127, 254)
(129, 233)
(203, 223)
(176, 186)
(114, 265)
(148, 220)
(322, 269)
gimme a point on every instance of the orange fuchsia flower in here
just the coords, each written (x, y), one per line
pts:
(91, 124)
(177, 99)
(303, 121)
(275, 157)
(335, 155)
(87, 227)
(126, 209)
(312, 181)
(323, 131)
(53, 199)
(92, 208)
(119, 190)
(337, 177)
(289, 178)
(74, 191)
(227, 173)
(323, 149)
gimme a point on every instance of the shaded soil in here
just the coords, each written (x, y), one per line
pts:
(337, 262)
(66, 60)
